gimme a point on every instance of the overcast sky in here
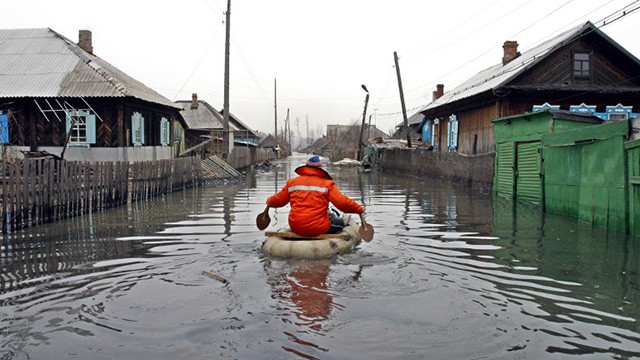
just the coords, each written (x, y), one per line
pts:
(320, 52)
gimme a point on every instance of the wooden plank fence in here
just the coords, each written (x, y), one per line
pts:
(37, 191)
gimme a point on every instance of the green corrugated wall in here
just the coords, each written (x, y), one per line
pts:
(585, 174)
(633, 170)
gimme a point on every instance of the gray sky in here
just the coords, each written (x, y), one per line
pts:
(320, 52)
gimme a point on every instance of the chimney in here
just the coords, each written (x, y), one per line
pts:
(194, 101)
(510, 51)
(439, 92)
(84, 41)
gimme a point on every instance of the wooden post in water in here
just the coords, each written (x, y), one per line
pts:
(225, 128)
(404, 109)
(275, 109)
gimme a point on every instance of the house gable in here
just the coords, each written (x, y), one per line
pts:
(610, 67)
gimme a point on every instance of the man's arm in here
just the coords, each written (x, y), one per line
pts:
(343, 202)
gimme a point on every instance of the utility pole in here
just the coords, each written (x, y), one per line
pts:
(225, 126)
(364, 116)
(287, 130)
(306, 142)
(369, 127)
(275, 107)
(404, 109)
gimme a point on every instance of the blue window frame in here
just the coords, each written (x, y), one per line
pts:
(4, 129)
(452, 139)
(583, 108)
(81, 127)
(137, 129)
(426, 130)
(618, 112)
(165, 132)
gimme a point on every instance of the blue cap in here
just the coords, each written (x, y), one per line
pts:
(314, 161)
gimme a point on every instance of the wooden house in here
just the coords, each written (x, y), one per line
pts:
(581, 67)
(59, 97)
(202, 123)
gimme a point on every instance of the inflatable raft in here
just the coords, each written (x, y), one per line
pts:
(287, 244)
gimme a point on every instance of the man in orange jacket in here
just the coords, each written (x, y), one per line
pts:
(310, 195)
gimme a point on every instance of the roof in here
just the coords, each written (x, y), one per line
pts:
(414, 119)
(204, 117)
(239, 124)
(499, 74)
(43, 63)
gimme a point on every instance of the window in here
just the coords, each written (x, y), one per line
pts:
(165, 132)
(452, 140)
(137, 129)
(81, 127)
(581, 66)
(4, 129)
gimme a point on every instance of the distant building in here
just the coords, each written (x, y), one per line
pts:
(202, 123)
(342, 140)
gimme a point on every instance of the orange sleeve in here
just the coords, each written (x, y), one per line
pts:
(279, 199)
(343, 202)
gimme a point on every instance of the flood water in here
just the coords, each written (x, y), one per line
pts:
(450, 274)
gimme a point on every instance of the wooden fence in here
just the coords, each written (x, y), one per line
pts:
(37, 191)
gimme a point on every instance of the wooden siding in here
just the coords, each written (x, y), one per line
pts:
(557, 68)
(29, 127)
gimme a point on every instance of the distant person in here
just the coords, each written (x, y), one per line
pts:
(310, 195)
(366, 162)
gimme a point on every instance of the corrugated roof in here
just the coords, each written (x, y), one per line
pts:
(204, 117)
(239, 124)
(499, 74)
(43, 63)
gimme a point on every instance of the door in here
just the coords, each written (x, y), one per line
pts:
(528, 175)
(505, 170)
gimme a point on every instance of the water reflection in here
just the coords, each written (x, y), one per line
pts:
(450, 274)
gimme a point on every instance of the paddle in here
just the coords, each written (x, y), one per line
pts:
(263, 219)
(366, 230)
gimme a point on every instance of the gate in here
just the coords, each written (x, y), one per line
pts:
(529, 179)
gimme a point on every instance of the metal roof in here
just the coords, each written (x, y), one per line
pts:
(43, 63)
(499, 74)
(204, 117)
(239, 124)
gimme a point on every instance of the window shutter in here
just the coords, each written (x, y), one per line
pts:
(167, 133)
(164, 132)
(426, 131)
(454, 133)
(449, 135)
(452, 141)
(141, 130)
(137, 129)
(91, 129)
(4, 129)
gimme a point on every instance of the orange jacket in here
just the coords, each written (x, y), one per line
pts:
(309, 195)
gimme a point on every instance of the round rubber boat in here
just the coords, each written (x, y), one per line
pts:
(286, 244)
